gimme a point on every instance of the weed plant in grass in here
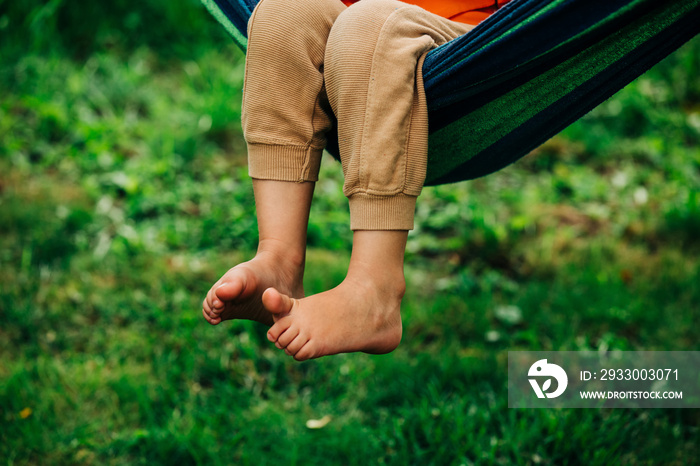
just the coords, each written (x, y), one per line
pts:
(124, 195)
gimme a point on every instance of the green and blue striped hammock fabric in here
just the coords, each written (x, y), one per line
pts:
(525, 73)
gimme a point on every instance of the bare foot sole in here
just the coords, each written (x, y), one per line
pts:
(238, 293)
(357, 315)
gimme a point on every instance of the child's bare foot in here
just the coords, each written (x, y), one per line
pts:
(354, 316)
(283, 215)
(360, 314)
(238, 294)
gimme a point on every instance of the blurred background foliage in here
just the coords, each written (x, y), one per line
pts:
(79, 29)
(124, 195)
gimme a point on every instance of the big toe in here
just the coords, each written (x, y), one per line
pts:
(231, 289)
(276, 302)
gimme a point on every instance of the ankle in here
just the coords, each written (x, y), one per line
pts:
(286, 255)
(387, 282)
(377, 260)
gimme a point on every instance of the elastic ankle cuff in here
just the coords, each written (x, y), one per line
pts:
(283, 163)
(369, 212)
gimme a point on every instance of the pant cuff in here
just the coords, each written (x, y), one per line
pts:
(370, 212)
(283, 163)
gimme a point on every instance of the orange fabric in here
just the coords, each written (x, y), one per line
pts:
(463, 11)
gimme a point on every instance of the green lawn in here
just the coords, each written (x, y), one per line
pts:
(124, 196)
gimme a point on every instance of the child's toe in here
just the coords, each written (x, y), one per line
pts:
(231, 289)
(305, 352)
(297, 344)
(276, 302)
(278, 328)
(288, 336)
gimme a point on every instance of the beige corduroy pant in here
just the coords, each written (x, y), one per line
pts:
(315, 63)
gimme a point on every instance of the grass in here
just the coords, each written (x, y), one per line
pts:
(124, 195)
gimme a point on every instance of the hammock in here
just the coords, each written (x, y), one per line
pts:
(525, 73)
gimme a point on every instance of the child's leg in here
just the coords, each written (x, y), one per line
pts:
(283, 214)
(374, 85)
(285, 116)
